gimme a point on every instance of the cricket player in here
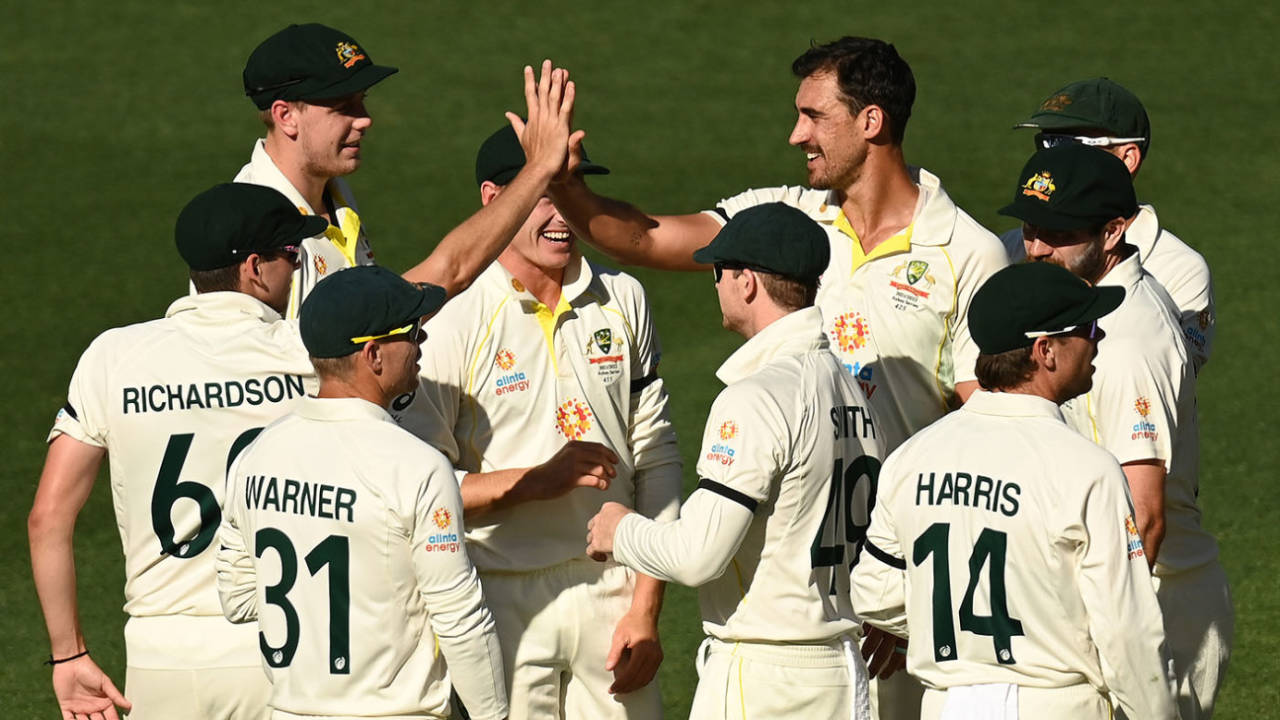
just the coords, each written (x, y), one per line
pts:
(1005, 543)
(905, 261)
(1073, 201)
(341, 534)
(789, 455)
(172, 401)
(1101, 113)
(309, 84)
(542, 389)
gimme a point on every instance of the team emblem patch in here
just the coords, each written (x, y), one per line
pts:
(851, 332)
(604, 339)
(442, 518)
(349, 54)
(505, 359)
(728, 430)
(517, 285)
(1204, 318)
(573, 419)
(1144, 429)
(1056, 103)
(1142, 405)
(916, 270)
(1039, 185)
(321, 266)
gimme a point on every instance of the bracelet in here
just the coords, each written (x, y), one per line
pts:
(59, 661)
(900, 649)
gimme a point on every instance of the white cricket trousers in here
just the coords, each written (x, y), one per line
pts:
(1199, 625)
(1074, 702)
(555, 626)
(760, 681)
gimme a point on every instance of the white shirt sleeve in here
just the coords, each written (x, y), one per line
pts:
(451, 588)
(84, 416)
(692, 550)
(989, 258)
(1120, 601)
(658, 475)
(236, 576)
(1137, 413)
(432, 412)
(880, 577)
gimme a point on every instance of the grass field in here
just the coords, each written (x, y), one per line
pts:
(120, 112)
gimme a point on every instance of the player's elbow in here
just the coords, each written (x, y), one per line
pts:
(701, 570)
(45, 523)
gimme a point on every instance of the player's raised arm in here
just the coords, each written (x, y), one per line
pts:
(469, 248)
(628, 234)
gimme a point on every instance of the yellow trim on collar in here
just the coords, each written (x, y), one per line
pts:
(900, 242)
(548, 320)
(346, 234)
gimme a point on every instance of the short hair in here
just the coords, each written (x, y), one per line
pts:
(335, 367)
(868, 72)
(787, 293)
(269, 121)
(223, 279)
(1006, 370)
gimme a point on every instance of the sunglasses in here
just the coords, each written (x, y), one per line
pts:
(1089, 331)
(718, 269)
(410, 332)
(286, 252)
(1044, 141)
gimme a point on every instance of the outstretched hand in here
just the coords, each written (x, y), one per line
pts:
(578, 463)
(85, 692)
(601, 528)
(549, 142)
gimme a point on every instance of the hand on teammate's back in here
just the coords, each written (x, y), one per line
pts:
(547, 136)
(884, 652)
(578, 464)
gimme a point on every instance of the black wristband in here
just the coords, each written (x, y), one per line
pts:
(59, 661)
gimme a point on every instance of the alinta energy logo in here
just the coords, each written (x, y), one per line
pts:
(512, 381)
(728, 430)
(1144, 429)
(573, 419)
(442, 541)
(851, 332)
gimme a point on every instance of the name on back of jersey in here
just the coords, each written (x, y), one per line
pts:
(852, 421)
(968, 490)
(211, 394)
(299, 497)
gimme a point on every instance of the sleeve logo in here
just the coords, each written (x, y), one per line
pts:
(1144, 429)
(442, 518)
(505, 359)
(1134, 540)
(442, 541)
(728, 430)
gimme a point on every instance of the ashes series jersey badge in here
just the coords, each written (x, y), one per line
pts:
(608, 367)
(911, 282)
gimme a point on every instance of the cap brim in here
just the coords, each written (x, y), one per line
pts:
(1106, 299)
(706, 255)
(312, 225)
(363, 79)
(1045, 218)
(1056, 122)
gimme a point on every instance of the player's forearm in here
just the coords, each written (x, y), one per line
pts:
(628, 234)
(693, 550)
(647, 597)
(486, 492)
(236, 578)
(1146, 487)
(54, 571)
(472, 246)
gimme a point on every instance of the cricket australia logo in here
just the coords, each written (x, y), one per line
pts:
(349, 54)
(1039, 186)
(850, 332)
(603, 339)
(573, 419)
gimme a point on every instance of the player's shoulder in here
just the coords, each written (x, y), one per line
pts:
(122, 344)
(617, 285)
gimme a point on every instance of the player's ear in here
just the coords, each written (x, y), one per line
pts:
(488, 191)
(284, 117)
(1131, 154)
(874, 122)
(371, 356)
(1042, 351)
(1113, 233)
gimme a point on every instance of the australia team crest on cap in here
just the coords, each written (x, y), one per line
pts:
(1039, 185)
(349, 54)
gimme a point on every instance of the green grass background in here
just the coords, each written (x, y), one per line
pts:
(118, 113)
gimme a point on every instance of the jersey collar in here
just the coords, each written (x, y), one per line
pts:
(793, 334)
(341, 410)
(220, 304)
(1142, 232)
(1003, 404)
(1126, 274)
(577, 278)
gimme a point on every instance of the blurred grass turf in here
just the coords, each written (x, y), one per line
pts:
(118, 113)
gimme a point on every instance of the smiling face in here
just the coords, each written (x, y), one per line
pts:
(543, 241)
(828, 133)
(329, 134)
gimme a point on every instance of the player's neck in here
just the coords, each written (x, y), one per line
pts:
(290, 164)
(358, 387)
(881, 201)
(545, 284)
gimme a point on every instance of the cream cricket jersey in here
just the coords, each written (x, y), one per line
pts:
(788, 466)
(508, 381)
(896, 318)
(343, 539)
(172, 401)
(1143, 406)
(1012, 546)
(1179, 269)
(340, 246)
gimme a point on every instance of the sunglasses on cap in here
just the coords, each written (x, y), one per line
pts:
(411, 332)
(1044, 141)
(1088, 331)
